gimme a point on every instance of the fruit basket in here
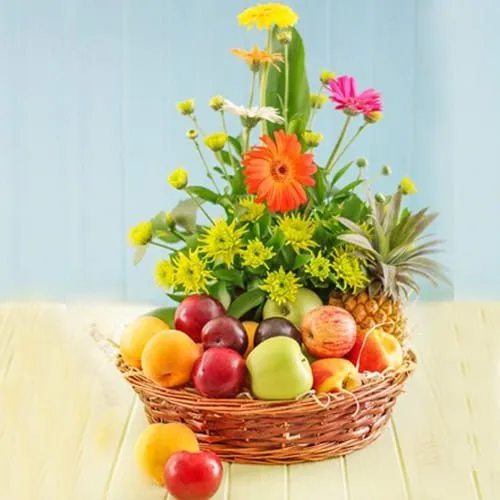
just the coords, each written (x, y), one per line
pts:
(289, 342)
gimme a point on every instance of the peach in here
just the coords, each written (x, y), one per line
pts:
(375, 351)
(158, 442)
(334, 375)
(250, 327)
(169, 357)
(328, 332)
(136, 336)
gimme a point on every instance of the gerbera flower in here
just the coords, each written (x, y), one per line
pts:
(298, 232)
(254, 210)
(263, 16)
(343, 92)
(277, 172)
(256, 254)
(281, 286)
(191, 272)
(141, 234)
(222, 242)
(252, 116)
(257, 57)
(318, 267)
(165, 274)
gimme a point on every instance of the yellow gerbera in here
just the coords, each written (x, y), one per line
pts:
(222, 242)
(318, 267)
(191, 272)
(263, 16)
(165, 274)
(257, 57)
(256, 254)
(141, 234)
(254, 210)
(281, 286)
(298, 232)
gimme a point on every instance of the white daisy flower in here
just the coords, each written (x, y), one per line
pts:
(254, 114)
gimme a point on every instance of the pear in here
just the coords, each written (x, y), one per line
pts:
(279, 370)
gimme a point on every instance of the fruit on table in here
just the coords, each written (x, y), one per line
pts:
(250, 327)
(193, 476)
(219, 373)
(334, 375)
(276, 327)
(305, 301)
(225, 331)
(279, 370)
(136, 336)
(157, 443)
(194, 312)
(169, 357)
(328, 332)
(375, 351)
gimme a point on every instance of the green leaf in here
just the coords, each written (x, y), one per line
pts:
(321, 185)
(297, 125)
(167, 237)
(226, 158)
(177, 297)
(246, 302)
(298, 102)
(340, 173)
(184, 214)
(192, 241)
(139, 254)
(236, 144)
(277, 240)
(220, 292)
(166, 314)
(238, 183)
(159, 222)
(342, 194)
(354, 208)
(204, 193)
(301, 259)
(231, 276)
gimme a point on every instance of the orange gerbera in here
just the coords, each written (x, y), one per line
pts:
(277, 172)
(256, 57)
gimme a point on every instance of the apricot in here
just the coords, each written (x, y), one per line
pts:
(158, 442)
(169, 357)
(136, 336)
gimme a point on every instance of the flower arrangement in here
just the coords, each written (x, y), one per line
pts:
(289, 221)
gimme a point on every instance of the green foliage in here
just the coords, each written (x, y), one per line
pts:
(246, 302)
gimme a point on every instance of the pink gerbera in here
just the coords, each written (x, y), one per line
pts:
(343, 92)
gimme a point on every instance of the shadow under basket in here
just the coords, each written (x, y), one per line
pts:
(249, 431)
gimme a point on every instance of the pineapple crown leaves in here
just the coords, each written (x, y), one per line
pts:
(396, 250)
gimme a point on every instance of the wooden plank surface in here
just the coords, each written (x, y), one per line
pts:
(69, 423)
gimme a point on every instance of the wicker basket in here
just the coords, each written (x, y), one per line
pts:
(249, 431)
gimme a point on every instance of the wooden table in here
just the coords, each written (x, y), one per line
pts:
(68, 422)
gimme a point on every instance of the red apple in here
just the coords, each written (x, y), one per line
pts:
(334, 375)
(219, 373)
(376, 351)
(193, 476)
(328, 332)
(225, 331)
(195, 312)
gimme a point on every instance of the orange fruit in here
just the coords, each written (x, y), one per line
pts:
(169, 357)
(250, 328)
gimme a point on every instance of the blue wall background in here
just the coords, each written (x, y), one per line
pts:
(89, 131)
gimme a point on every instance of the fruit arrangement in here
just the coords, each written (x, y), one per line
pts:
(288, 341)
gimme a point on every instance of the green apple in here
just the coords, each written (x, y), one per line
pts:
(294, 311)
(279, 370)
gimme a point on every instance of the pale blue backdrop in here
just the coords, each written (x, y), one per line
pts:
(89, 131)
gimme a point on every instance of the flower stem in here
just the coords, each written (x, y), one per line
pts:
(252, 89)
(346, 147)
(207, 168)
(230, 146)
(331, 159)
(200, 206)
(287, 84)
(196, 124)
(246, 137)
(218, 155)
(263, 80)
(161, 245)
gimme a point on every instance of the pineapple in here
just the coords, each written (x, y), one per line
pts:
(395, 253)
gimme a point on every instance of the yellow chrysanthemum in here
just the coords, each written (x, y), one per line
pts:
(141, 234)
(298, 232)
(216, 141)
(318, 100)
(407, 186)
(256, 254)
(165, 274)
(185, 107)
(374, 116)
(222, 242)
(191, 272)
(325, 76)
(318, 267)
(254, 210)
(178, 178)
(348, 270)
(312, 139)
(281, 286)
(216, 102)
(256, 57)
(263, 16)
